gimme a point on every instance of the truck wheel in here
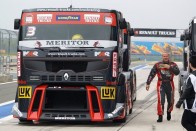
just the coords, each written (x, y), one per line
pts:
(125, 117)
(25, 121)
(121, 120)
(135, 87)
(131, 110)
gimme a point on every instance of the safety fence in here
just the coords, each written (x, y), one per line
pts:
(8, 51)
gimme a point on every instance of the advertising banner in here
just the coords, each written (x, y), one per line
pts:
(145, 32)
(156, 48)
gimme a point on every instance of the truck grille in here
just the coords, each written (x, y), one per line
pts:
(73, 78)
(75, 66)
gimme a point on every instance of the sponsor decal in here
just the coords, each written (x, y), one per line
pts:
(66, 76)
(64, 118)
(114, 65)
(96, 44)
(120, 39)
(166, 72)
(44, 18)
(63, 44)
(68, 9)
(67, 42)
(38, 44)
(92, 18)
(68, 18)
(108, 19)
(144, 32)
(103, 18)
(111, 82)
(108, 92)
(24, 91)
(30, 53)
(66, 54)
(31, 31)
(102, 54)
(29, 19)
(22, 82)
(19, 64)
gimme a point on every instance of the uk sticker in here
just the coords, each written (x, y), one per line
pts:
(108, 92)
(24, 91)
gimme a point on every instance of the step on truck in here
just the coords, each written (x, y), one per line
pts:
(189, 50)
(73, 65)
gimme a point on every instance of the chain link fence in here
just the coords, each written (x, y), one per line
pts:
(8, 51)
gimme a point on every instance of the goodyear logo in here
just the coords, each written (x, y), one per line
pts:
(68, 17)
(24, 92)
(108, 92)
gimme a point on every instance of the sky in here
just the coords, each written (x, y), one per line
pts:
(167, 14)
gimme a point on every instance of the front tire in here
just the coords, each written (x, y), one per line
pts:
(25, 121)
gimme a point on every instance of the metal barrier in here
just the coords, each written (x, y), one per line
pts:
(8, 48)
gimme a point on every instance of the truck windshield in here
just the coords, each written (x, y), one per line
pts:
(68, 32)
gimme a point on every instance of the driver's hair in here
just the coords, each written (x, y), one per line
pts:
(164, 52)
(192, 61)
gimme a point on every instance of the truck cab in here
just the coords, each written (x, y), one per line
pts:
(189, 50)
(70, 65)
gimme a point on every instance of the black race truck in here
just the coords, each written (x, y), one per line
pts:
(73, 65)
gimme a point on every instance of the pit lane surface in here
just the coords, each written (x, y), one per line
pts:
(143, 117)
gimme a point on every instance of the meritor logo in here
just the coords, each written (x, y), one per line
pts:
(68, 42)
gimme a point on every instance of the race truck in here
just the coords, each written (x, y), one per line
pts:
(73, 65)
(189, 50)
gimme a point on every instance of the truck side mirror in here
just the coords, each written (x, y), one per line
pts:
(131, 32)
(182, 37)
(187, 36)
(16, 24)
(123, 23)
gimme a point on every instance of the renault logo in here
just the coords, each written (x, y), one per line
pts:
(66, 76)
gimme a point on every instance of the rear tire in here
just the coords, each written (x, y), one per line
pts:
(135, 83)
(130, 110)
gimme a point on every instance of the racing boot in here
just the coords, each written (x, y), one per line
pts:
(168, 116)
(160, 119)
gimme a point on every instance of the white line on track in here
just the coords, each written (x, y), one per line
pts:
(7, 83)
(6, 103)
(142, 68)
(6, 118)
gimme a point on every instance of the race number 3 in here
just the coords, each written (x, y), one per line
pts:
(31, 31)
(24, 91)
(108, 93)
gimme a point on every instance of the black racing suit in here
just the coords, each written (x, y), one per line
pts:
(165, 84)
(188, 118)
